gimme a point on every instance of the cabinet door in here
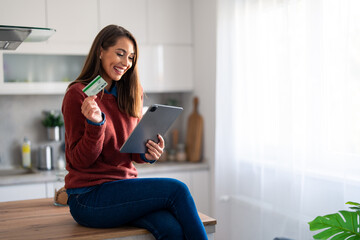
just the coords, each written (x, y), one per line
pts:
(201, 190)
(76, 22)
(169, 21)
(197, 182)
(23, 13)
(130, 14)
(22, 192)
(166, 68)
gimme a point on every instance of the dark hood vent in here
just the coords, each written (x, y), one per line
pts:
(12, 36)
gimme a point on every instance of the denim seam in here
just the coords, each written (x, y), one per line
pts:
(117, 205)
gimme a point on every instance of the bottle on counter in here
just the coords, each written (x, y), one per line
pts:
(26, 153)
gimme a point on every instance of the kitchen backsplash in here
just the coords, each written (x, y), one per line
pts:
(21, 116)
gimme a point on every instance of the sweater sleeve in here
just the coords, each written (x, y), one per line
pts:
(84, 141)
(140, 158)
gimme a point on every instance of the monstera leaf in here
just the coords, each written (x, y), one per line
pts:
(338, 226)
(357, 205)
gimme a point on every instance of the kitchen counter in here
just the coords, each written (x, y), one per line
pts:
(170, 167)
(37, 176)
(33, 176)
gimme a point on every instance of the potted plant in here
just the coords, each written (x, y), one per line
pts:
(53, 122)
(342, 225)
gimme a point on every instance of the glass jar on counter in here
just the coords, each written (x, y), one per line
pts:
(60, 195)
(180, 153)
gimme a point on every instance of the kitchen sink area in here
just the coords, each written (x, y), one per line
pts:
(16, 172)
(16, 176)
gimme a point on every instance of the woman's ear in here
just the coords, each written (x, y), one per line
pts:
(101, 52)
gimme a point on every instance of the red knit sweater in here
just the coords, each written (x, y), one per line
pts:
(92, 152)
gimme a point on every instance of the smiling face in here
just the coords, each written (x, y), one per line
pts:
(117, 59)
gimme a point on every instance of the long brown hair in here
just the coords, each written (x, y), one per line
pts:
(128, 88)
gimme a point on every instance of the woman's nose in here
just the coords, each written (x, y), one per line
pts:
(125, 61)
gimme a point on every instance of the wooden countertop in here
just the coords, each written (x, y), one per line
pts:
(40, 219)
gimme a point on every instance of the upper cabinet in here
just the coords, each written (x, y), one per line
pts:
(163, 29)
(166, 68)
(131, 15)
(169, 22)
(151, 21)
(76, 22)
(23, 13)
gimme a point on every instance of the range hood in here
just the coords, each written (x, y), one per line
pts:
(12, 36)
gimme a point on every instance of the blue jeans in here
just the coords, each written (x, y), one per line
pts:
(163, 206)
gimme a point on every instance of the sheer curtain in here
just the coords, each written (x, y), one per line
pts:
(287, 115)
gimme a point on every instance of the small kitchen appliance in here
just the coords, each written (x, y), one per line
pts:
(46, 158)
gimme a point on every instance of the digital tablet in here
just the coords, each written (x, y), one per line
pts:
(156, 120)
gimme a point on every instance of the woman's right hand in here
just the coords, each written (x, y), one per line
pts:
(91, 110)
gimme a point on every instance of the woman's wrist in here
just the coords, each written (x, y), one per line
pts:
(142, 156)
(95, 123)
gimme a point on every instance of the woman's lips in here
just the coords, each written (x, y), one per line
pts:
(119, 70)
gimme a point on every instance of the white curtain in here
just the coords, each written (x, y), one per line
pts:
(287, 115)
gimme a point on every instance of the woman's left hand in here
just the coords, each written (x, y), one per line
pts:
(155, 149)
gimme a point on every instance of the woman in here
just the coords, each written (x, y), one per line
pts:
(102, 183)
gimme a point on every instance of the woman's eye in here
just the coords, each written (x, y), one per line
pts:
(120, 54)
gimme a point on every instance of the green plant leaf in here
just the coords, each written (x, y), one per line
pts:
(337, 226)
(53, 120)
(353, 203)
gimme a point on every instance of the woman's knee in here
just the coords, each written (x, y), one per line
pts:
(178, 185)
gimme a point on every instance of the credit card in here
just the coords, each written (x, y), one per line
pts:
(95, 86)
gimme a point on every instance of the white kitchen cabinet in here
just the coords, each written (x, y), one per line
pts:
(161, 27)
(76, 22)
(157, 21)
(200, 190)
(170, 22)
(196, 180)
(22, 192)
(23, 13)
(166, 68)
(29, 191)
(43, 184)
(130, 14)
